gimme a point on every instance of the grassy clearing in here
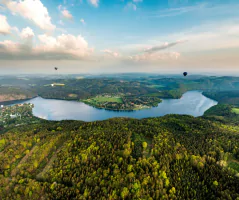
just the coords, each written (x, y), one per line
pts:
(79, 77)
(59, 84)
(72, 95)
(155, 86)
(235, 110)
(141, 107)
(102, 99)
(55, 84)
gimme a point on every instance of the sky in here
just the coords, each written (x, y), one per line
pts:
(114, 36)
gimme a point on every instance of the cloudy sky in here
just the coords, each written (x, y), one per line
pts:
(105, 36)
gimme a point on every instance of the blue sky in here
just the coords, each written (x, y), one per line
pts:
(119, 35)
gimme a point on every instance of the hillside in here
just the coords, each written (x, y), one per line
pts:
(230, 97)
(134, 92)
(171, 157)
(15, 93)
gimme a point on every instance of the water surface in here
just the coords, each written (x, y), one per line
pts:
(191, 103)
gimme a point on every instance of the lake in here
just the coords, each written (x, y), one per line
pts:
(191, 103)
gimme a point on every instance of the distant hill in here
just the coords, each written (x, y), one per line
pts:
(14, 93)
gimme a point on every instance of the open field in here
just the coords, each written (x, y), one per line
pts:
(235, 110)
(72, 95)
(55, 84)
(155, 86)
(79, 77)
(101, 99)
(141, 107)
(59, 84)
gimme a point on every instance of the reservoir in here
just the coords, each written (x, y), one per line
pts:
(191, 103)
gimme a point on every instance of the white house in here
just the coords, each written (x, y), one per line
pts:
(13, 116)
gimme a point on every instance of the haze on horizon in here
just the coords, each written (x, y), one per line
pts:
(112, 36)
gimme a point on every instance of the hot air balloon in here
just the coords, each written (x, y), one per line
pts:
(185, 73)
(56, 68)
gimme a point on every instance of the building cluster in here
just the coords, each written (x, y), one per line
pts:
(15, 113)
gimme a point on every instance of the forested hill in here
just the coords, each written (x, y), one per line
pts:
(14, 93)
(171, 157)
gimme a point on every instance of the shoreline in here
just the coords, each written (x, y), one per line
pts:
(118, 113)
(74, 100)
(115, 110)
(6, 103)
(82, 101)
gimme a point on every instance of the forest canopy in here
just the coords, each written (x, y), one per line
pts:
(171, 157)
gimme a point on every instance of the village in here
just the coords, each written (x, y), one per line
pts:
(15, 115)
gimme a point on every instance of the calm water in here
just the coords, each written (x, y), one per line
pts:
(191, 103)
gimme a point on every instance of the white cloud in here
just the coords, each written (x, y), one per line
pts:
(32, 10)
(210, 36)
(65, 47)
(4, 26)
(27, 36)
(76, 46)
(152, 57)
(130, 6)
(27, 33)
(63, 51)
(82, 21)
(111, 53)
(66, 13)
(166, 45)
(95, 3)
(155, 57)
(10, 47)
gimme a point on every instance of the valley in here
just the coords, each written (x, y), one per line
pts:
(119, 100)
(168, 157)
